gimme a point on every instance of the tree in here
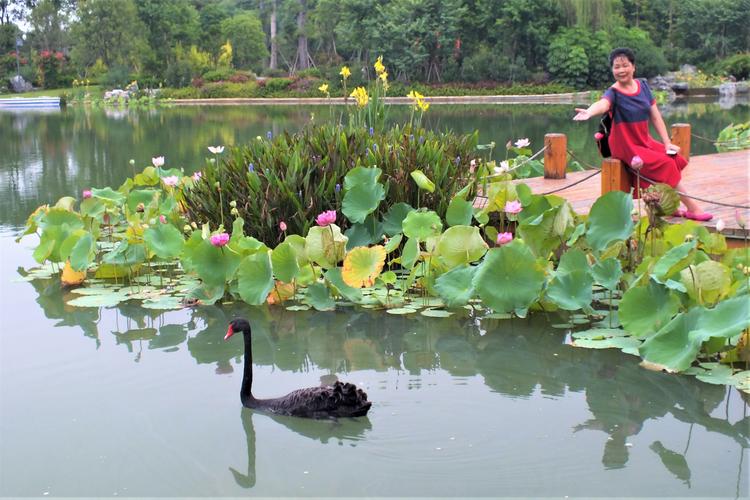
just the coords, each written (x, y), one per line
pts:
(49, 21)
(14, 10)
(109, 30)
(168, 23)
(245, 33)
(211, 17)
(526, 27)
(710, 29)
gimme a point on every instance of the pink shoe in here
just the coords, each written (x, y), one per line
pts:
(701, 217)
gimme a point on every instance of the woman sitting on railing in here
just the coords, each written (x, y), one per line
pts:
(630, 140)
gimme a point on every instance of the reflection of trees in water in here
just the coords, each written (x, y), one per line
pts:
(514, 357)
(349, 430)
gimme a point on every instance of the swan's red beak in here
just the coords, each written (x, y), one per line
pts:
(230, 332)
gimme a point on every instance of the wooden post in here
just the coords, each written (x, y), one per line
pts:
(555, 156)
(614, 176)
(681, 138)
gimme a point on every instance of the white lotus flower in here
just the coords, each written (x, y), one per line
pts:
(522, 143)
(217, 150)
(720, 225)
(158, 161)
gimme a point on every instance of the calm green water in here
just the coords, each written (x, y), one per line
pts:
(131, 402)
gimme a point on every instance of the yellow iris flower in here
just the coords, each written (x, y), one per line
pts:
(345, 73)
(324, 88)
(418, 101)
(379, 68)
(360, 94)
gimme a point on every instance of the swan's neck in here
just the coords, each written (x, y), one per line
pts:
(247, 375)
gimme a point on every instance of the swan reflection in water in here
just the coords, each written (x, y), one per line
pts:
(350, 430)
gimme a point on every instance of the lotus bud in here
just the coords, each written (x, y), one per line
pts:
(233, 204)
(234, 211)
(140, 208)
(217, 185)
(132, 161)
(598, 136)
(720, 225)
(194, 225)
(163, 219)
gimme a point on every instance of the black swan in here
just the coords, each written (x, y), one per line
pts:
(337, 400)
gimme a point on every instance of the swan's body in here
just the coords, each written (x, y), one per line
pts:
(337, 400)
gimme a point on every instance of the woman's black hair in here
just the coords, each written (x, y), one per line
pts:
(621, 52)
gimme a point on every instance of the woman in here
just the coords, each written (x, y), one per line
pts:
(630, 140)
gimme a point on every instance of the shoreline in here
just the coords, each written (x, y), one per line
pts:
(566, 98)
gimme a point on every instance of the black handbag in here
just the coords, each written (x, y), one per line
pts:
(605, 128)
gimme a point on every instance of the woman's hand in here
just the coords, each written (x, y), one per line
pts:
(671, 149)
(581, 115)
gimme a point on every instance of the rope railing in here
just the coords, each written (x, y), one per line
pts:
(519, 165)
(579, 181)
(704, 200)
(735, 141)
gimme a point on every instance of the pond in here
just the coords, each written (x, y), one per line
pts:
(128, 401)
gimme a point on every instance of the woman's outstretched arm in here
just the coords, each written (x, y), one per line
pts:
(599, 107)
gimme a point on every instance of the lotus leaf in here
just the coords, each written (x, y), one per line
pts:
(349, 293)
(509, 279)
(498, 193)
(456, 287)
(281, 292)
(676, 344)
(297, 308)
(539, 232)
(108, 271)
(255, 278)
(359, 176)
(298, 243)
(148, 177)
(318, 296)
(460, 245)
(401, 310)
(165, 302)
(71, 277)
(126, 254)
(410, 254)
(361, 200)
(393, 243)
(572, 290)
(145, 196)
(394, 218)
(365, 233)
(674, 261)
(603, 338)
(607, 273)
(644, 310)
(609, 220)
(164, 240)
(362, 265)
(284, 259)
(99, 300)
(423, 181)
(707, 282)
(421, 224)
(92, 207)
(325, 245)
(206, 294)
(108, 195)
(214, 266)
(459, 212)
(66, 203)
(436, 313)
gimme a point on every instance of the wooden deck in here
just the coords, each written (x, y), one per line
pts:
(721, 177)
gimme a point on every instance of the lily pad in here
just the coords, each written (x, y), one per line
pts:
(436, 313)
(98, 300)
(460, 245)
(318, 296)
(165, 302)
(255, 278)
(422, 224)
(644, 310)
(610, 220)
(456, 286)
(401, 310)
(362, 265)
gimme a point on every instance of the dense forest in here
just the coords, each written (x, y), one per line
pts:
(175, 42)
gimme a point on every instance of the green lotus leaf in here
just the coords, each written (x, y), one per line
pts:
(456, 287)
(126, 254)
(108, 194)
(410, 255)
(460, 245)
(58, 217)
(708, 281)
(362, 265)
(604, 338)
(577, 233)
(205, 294)
(421, 224)
(571, 291)
(165, 240)
(318, 296)
(674, 261)
(361, 200)
(509, 279)
(298, 243)
(284, 260)
(436, 313)
(83, 252)
(145, 196)
(214, 266)
(149, 177)
(361, 176)
(349, 293)
(610, 220)
(388, 277)
(498, 193)
(675, 346)
(395, 217)
(92, 207)
(325, 245)
(607, 273)
(98, 300)
(401, 310)
(423, 181)
(393, 243)
(459, 212)
(644, 310)
(109, 271)
(255, 278)
(539, 232)
(365, 233)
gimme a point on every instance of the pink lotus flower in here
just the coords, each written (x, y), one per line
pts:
(598, 136)
(513, 207)
(522, 143)
(472, 166)
(157, 161)
(282, 226)
(326, 218)
(162, 219)
(87, 194)
(219, 240)
(171, 180)
(216, 149)
(636, 162)
(197, 176)
(503, 238)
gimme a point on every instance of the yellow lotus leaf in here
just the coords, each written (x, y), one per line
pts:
(70, 277)
(280, 292)
(362, 265)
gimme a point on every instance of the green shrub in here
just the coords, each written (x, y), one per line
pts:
(273, 86)
(309, 73)
(737, 66)
(181, 93)
(117, 76)
(178, 74)
(294, 177)
(218, 75)
(228, 89)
